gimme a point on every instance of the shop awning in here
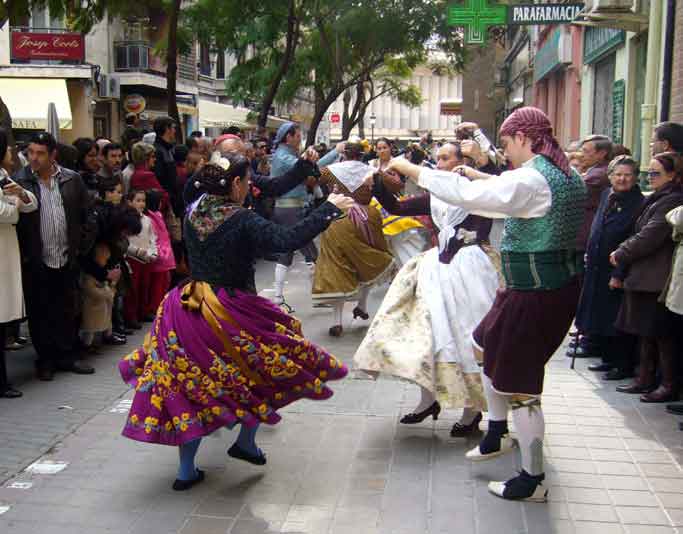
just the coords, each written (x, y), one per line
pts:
(215, 115)
(27, 100)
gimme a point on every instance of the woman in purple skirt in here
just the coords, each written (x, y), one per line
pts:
(218, 354)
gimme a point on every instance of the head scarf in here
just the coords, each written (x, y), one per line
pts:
(535, 124)
(282, 132)
(223, 137)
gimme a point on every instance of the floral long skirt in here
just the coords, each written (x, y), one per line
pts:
(215, 359)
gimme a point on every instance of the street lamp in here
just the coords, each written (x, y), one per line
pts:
(373, 120)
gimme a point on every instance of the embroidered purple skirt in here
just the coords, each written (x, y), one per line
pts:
(520, 334)
(212, 360)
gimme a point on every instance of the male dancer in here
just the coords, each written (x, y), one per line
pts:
(542, 202)
(290, 207)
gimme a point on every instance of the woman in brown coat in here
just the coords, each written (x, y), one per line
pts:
(647, 258)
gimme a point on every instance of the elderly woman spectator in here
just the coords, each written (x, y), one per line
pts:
(13, 200)
(601, 294)
(646, 257)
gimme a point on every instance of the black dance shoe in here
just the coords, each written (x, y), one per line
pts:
(184, 485)
(523, 487)
(357, 312)
(676, 409)
(237, 452)
(459, 430)
(413, 418)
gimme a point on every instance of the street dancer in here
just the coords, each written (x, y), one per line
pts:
(290, 207)
(353, 251)
(218, 354)
(542, 202)
(423, 328)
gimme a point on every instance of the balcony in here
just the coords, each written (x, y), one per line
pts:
(138, 56)
(132, 56)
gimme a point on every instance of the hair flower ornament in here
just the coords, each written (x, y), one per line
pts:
(220, 161)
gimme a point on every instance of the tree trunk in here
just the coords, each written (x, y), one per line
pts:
(347, 120)
(172, 67)
(322, 104)
(290, 47)
(361, 127)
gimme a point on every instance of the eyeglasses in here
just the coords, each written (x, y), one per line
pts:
(653, 174)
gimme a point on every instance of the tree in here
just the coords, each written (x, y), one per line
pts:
(263, 36)
(352, 40)
(390, 80)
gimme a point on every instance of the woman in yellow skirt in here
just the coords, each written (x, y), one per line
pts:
(354, 254)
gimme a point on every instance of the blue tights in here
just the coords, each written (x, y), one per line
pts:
(246, 440)
(188, 451)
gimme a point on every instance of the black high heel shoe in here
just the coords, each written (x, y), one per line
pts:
(357, 312)
(459, 430)
(412, 418)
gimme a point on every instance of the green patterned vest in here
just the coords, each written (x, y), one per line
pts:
(539, 253)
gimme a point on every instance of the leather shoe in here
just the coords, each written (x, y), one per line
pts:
(676, 409)
(45, 374)
(581, 353)
(600, 367)
(617, 374)
(78, 367)
(635, 387)
(10, 393)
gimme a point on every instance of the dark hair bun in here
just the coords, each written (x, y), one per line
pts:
(216, 179)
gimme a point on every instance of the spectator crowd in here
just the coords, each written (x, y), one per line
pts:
(92, 240)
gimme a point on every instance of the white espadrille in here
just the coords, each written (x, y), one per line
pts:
(507, 443)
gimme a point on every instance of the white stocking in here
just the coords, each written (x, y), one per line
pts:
(497, 402)
(426, 400)
(280, 277)
(528, 418)
(338, 312)
(363, 298)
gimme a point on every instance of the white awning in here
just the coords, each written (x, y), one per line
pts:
(27, 100)
(215, 115)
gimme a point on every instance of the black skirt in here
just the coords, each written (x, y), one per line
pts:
(521, 333)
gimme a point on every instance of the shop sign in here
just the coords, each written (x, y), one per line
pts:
(476, 16)
(52, 46)
(335, 118)
(134, 103)
(555, 51)
(618, 100)
(597, 42)
(530, 14)
(450, 107)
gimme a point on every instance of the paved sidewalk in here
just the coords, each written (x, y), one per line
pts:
(344, 466)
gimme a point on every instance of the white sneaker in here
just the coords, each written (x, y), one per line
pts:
(506, 445)
(540, 493)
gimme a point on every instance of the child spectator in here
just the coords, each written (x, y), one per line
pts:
(142, 250)
(161, 268)
(97, 297)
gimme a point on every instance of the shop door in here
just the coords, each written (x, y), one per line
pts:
(602, 96)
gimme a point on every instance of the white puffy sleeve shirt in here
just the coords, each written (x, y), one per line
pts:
(522, 193)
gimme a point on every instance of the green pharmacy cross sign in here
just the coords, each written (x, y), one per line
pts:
(476, 16)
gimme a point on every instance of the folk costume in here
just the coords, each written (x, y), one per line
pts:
(542, 203)
(290, 208)
(354, 254)
(406, 235)
(217, 353)
(422, 330)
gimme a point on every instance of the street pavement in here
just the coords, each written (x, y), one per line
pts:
(343, 466)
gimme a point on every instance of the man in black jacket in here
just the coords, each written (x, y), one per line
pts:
(165, 168)
(51, 239)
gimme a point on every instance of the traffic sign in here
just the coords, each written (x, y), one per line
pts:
(335, 118)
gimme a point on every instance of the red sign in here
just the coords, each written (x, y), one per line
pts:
(56, 46)
(335, 118)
